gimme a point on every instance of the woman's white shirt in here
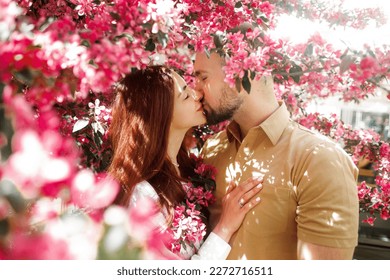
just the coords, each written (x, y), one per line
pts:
(213, 248)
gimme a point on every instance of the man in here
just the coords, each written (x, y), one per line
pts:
(309, 206)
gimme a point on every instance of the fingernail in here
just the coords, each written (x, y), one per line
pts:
(258, 199)
(259, 186)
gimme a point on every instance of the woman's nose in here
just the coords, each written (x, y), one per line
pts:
(197, 95)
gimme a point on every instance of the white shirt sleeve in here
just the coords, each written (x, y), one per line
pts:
(213, 248)
(145, 190)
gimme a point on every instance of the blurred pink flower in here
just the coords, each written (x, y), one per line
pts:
(93, 191)
(370, 221)
(38, 247)
(35, 162)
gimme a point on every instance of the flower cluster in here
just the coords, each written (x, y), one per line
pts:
(203, 183)
(88, 122)
(51, 207)
(374, 201)
(246, 49)
(188, 228)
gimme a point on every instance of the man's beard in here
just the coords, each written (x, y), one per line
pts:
(230, 102)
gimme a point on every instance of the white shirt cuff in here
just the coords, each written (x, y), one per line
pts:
(213, 248)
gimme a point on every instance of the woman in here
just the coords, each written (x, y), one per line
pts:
(151, 114)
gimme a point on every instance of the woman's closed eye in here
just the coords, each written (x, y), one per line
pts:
(184, 92)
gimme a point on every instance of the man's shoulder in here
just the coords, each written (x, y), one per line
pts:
(319, 152)
(307, 141)
(306, 138)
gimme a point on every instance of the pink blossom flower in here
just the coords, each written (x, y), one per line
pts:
(38, 247)
(369, 220)
(187, 228)
(385, 213)
(36, 163)
(5, 208)
(90, 191)
(45, 209)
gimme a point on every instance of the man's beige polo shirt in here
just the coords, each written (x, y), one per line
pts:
(309, 190)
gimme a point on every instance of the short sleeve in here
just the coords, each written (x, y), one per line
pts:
(328, 207)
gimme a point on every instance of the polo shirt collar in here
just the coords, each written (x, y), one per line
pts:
(273, 126)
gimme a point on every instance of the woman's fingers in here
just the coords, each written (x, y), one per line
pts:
(250, 195)
(235, 204)
(251, 185)
(244, 186)
(245, 195)
(246, 207)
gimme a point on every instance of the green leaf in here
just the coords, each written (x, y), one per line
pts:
(9, 191)
(346, 62)
(264, 19)
(238, 5)
(162, 38)
(24, 76)
(150, 45)
(238, 84)
(253, 74)
(218, 41)
(246, 84)
(296, 73)
(309, 50)
(85, 43)
(4, 227)
(371, 53)
(2, 86)
(92, 62)
(127, 249)
(115, 16)
(46, 24)
(124, 35)
(79, 125)
(207, 52)
(97, 127)
(147, 25)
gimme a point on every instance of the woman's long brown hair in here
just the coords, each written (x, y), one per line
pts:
(141, 117)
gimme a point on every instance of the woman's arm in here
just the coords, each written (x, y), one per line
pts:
(235, 205)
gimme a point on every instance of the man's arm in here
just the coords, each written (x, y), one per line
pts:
(310, 251)
(328, 206)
